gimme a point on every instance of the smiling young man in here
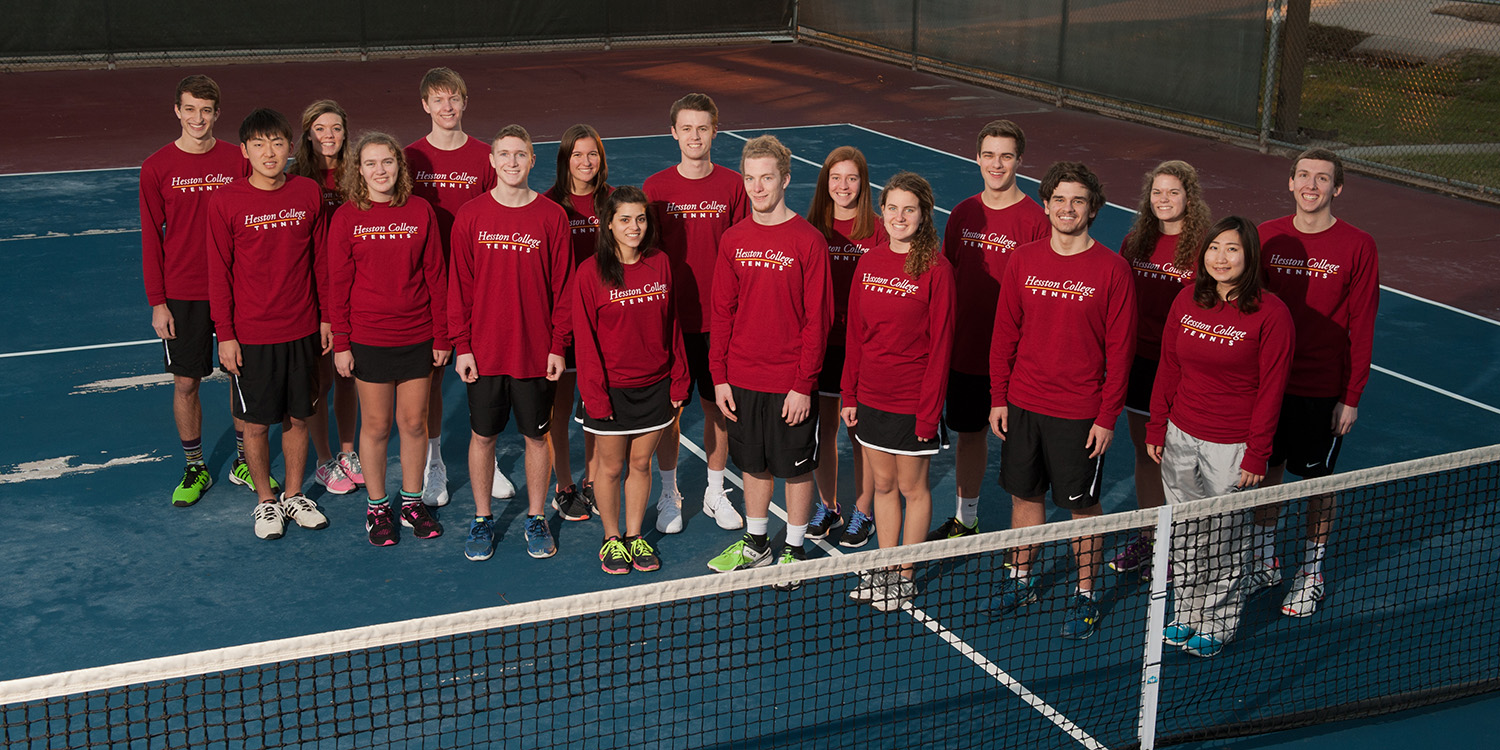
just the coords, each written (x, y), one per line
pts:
(772, 305)
(506, 318)
(176, 183)
(696, 202)
(1063, 342)
(263, 287)
(449, 168)
(1328, 274)
(982, 232)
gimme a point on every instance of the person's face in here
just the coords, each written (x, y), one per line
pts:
(1068, 209)
(1312, 185)
(267, 154)
(998, 162)
(196, 115)
(764, 183)
(628, 226)
(844, 184)
(902, 214)
(583, 164)
(327, 134)
(378, 167)
(512, 159)
(1168, 199)
(1225, 258)
(694, 132)
(445, 107)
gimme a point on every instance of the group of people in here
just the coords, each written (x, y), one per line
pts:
(368, 268)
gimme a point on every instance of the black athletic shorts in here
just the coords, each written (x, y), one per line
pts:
(277, 381)
(762, 442)
(1304, 437)
(1142, 381)
(891, 432)
(695, 346)
(831, 379)
(1041, 451)
(636, 411)
(391, 364)
(191, 354)
(968, 402)
(493, 398)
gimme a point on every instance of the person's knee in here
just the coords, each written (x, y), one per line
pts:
(185, 387)
(253, 430)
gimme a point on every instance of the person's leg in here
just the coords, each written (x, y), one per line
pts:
(481, 469)
(638, 481)
(970, 461)
(187, 409)
(412, 399)
(1148, 492)
(258, 459)
(911, 479)
(827, 474)
(294, 436)
(1026, 512)
(864, 484)
(1087, 551)
(759, 486)
(317, 424)
(345, 411)
(887, 501)
(611, 454)
(715, 443)
(377, 404)
(538, 471)
(562, 416)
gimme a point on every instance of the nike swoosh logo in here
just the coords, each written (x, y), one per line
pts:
(803, 461)
(1075, 497)
(542, 426)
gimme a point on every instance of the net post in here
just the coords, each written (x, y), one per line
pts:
(1156, 620)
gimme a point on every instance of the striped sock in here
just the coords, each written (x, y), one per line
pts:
(407, 498)
(194, 450)
(239, 444)
(376, 502)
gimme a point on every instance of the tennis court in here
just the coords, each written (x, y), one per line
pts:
(113, 573)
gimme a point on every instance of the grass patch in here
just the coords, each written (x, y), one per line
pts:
(1480, 169)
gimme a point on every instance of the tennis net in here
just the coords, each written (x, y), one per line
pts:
(733, 661)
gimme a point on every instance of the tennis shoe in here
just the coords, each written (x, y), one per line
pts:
(669, 511)
(614, 557)
(586, 490)
(789, 555)
(380, 527)
(570, 504)
(1302, 600)
(898, 590)
(239, 473)
(331, 475)
(1263, 574)
(303, 511)
(1176, 634)
(1014, 592)
(824, 520)
(349, 462)
(195, 481)
(435, 491)
(870, 582)
(952, 529)
(501, 488)
(1204, 645)
(270, 520)
(539, 542)
(858, 532)
(1083, 612)
(642, 555)
(481, 542)
(415, 516)
(716, 505)
(1137, 553)
(741, 555)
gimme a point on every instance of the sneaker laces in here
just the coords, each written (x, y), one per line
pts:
(379, 513)
(857, 523)
(350, 459)
(614, 549)
(298, 504)
(820, 515)
(192, 473)
(333, 470)
(536, 526)
(267, 512)
(481, 531)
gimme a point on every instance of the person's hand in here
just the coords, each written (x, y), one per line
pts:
(1248, 480)
(229, 356)
(162, 322)
(999, 420)
(467, 370)
(724, 397)
(440, 357)
(325, 335)
(796, 407)
(1343, 418)
(1154, 451)
(556, 366)
(850, 415)
(1099, 440)
(678, 404)
(344, 363)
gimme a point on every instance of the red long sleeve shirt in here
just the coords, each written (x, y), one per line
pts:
(1331, 283)
(1222, 375)
(262, 261)
(1157, 282)
(772, 301)
(627, 337)
(449, 179)
(506, 282)
(843, 258)
(978, 240)
(692, 216)
(175, 188)
(1064, 333)
(388, 283)
(900, 338)
(583, 224)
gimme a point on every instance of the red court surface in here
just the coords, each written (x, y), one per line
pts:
(1442, 248)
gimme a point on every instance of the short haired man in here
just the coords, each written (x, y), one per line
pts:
(176, 183)
(1328, 274)
(772, 306)
(263, 284)
(981, 233)
(1063, 342)
(449, 169)
(506, 318)
(696, 202)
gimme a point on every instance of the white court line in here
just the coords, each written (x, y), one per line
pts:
(84, 233)
(1434, 303)
(1434, 389)
(948, 636)
(68, 171)
(819, 166)
(80, 348)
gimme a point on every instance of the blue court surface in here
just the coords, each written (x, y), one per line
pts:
(105, 570)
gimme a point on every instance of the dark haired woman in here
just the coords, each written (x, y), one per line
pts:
(1226, 352)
